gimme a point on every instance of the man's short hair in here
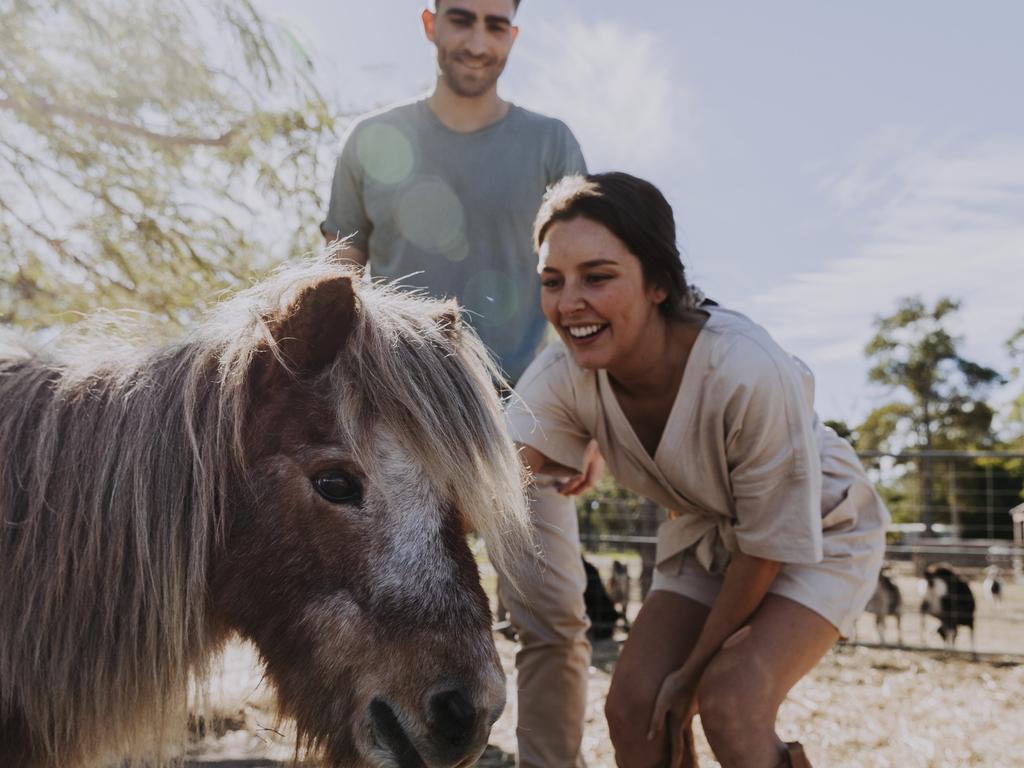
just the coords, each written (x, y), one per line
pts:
(432, 5)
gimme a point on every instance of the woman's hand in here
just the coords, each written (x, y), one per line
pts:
(674, 708)
(593, 468)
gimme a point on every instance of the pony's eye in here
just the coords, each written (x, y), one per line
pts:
(338, 487)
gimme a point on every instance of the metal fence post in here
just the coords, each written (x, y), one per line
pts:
(926, 494)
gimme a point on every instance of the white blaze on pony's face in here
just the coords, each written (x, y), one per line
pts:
(369, 612)
(427, 665)
(403, 638)
(410, 511)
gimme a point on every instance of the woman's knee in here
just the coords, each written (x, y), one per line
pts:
(736, 699)
(627, 710)
(621, 710)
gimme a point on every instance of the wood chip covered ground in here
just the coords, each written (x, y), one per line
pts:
(861, 707)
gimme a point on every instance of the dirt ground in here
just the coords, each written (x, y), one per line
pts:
(870, 707)
(861, 707)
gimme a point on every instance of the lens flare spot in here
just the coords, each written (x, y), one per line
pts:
(385, 153)
(460, 252)
(431, 217)
(492, 295)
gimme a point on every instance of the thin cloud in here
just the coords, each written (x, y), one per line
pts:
(611, 85)
(939, 222)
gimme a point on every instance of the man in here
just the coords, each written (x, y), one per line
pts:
(440, 194)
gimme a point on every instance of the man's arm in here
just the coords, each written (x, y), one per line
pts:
(568, 158)
(346, 228)
(344, 251)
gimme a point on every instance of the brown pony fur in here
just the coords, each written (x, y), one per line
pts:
(154, 500)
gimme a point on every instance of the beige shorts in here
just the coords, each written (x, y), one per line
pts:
(837, 589)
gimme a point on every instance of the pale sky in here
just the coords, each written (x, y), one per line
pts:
(823, 159)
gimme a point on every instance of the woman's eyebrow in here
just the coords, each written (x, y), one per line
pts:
(587, 265)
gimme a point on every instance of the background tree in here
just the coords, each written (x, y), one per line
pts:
(842, 429)
(151, 152)
(941, 404)
(1014, 416)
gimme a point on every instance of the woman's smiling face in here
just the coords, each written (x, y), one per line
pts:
(594, 293)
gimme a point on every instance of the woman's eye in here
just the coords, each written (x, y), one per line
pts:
(598, 278)
(338, 487)
(550, 283)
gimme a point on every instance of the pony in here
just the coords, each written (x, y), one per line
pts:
(302, 470)
(947, 596)
(993, 585)
(619, 586)
(886, 601)
(600, 608)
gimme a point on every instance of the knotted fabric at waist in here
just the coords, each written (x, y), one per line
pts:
(708, 538)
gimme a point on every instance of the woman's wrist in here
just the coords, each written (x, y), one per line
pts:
(694, 667)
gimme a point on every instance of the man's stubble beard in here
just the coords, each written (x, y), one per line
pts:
(468, 87)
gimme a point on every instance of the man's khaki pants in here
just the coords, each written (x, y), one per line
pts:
(551, 619)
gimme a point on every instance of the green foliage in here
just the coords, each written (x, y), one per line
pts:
(899, 496)
(882, 423)
(608, 509)
(942, 403)
(984, 491)
(1013, 418)
(151, 153)
(842, 429)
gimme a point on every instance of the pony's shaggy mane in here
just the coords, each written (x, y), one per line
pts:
(116, 459)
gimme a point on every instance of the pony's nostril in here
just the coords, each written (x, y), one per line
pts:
(453, 716)
(392, 735)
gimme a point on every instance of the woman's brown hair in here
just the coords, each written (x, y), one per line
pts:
(634, 211)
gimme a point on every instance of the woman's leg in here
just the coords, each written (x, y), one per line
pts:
(661, 638)
(744, 685)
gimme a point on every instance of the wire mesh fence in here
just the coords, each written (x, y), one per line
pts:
(957, 507)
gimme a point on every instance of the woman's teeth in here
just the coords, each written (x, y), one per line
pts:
(584, 330)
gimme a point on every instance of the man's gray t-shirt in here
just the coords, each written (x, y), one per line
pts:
(453, 212)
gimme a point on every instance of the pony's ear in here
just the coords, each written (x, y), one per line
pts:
(449, 320)
(310, 330)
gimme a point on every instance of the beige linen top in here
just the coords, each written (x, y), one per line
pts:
(741, 455)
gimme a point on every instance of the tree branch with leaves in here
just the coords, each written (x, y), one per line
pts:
(152, 152)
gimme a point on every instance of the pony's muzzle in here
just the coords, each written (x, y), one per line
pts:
(391, 735)
(453, 718)
(458, 726)
(455, 732)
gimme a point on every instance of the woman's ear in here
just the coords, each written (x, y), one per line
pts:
(657, 294)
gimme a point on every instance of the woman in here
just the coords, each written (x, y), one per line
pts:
(777, 535)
